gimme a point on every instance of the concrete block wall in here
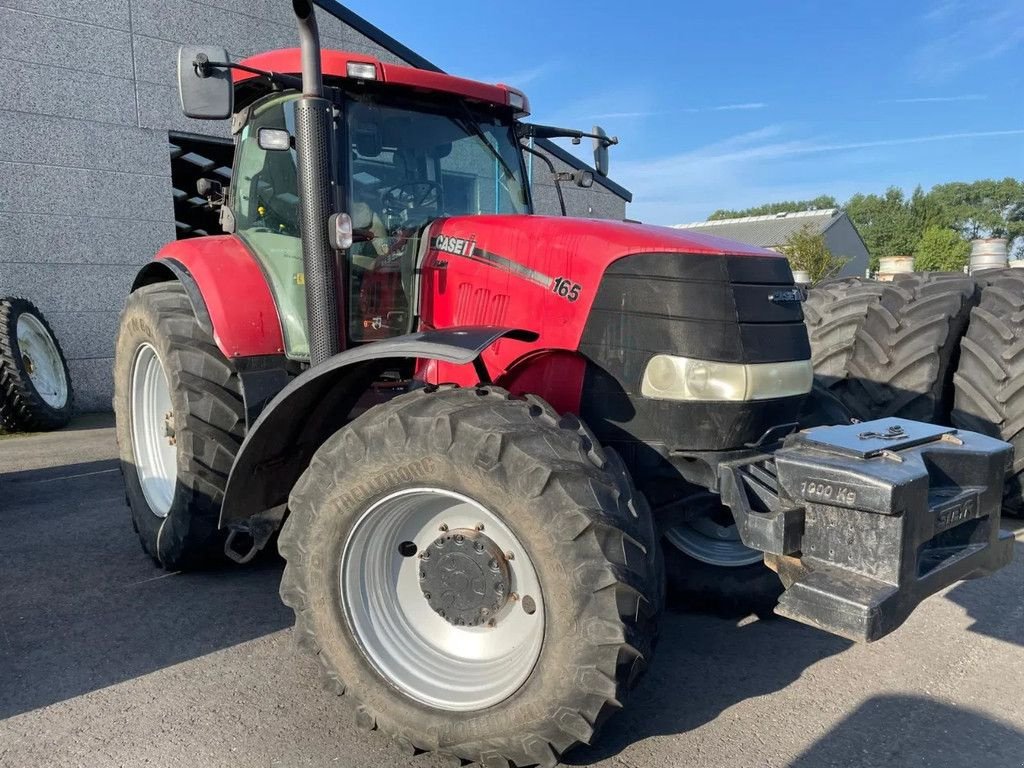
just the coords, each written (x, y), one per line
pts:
(85, 186)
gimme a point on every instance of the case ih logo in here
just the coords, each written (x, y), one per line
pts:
(454, 245)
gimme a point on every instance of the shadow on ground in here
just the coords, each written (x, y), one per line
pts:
(703, 666)
(996, 603)
(893, 731)
(82, 607)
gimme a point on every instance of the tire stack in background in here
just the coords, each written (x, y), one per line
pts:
(945, 348)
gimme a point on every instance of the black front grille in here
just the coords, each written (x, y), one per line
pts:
(701, 306)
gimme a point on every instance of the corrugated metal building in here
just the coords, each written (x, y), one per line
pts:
(773, 230)
(98, 164)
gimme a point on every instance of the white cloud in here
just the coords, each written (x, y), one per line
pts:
(936, 99)
(747, 105)
(959, 36)
(746, 169)
(521, 78)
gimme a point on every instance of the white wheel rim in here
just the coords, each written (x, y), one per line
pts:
(457, 668)
(712, 543)
(42, 361)
(152, 425)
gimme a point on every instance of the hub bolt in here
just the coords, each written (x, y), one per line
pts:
(443, 528)
(513, 597)
(510, 555)
(479, 526)
(459, 538)
(479, 547)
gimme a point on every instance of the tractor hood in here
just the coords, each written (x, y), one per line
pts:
(548, 237)
(615, 294)
(544, 273)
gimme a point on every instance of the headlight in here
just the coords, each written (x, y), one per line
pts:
(668, 377)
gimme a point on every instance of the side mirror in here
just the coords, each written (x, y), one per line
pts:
(206, 91)
(211, 191)
(600, 151)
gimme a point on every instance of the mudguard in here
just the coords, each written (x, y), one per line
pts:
(228, 291)
(319, 402)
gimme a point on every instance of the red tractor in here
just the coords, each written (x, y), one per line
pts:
(474, 427)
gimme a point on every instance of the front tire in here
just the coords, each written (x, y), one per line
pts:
(180, 422)
(709, 568)
(411, 477)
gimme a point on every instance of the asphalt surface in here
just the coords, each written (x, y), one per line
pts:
(107, 661)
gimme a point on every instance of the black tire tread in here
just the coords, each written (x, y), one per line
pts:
(906, 349)
(833, 313)
(989, 380)
(547, 455)
(21, 407)
(209, 432)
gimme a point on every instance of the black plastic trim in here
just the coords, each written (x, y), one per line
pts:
(165, 270)
(318, 402)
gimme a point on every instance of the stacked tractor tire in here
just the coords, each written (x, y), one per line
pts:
(945, 348)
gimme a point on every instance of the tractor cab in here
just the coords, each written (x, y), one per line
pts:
(406, 148)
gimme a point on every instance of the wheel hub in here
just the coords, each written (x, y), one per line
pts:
(465, 577)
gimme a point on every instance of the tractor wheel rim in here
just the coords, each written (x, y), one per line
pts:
(152, 424)
(456, 668)
(42, 361)
(712, 543)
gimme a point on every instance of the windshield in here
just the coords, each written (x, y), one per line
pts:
(411, 164)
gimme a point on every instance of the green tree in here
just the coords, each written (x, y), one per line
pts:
(941, 250)
(807, 250)
(983, 208)
(886, 223)
(788, 206)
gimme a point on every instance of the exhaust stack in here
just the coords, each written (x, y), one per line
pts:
(313, 149)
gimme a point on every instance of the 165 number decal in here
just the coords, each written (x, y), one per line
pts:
(566, 288)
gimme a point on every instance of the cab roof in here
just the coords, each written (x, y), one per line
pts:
(335, 63)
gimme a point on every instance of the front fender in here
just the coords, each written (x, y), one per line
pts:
(316, 404)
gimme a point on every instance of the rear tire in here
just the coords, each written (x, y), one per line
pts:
(35, 384)
(906, 349)
(175, 463)
(541, 480)
(989, 381)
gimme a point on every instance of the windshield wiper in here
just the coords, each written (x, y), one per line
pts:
(473, 125)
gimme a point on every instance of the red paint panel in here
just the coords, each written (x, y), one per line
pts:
(335, 64)
(557, 377)
(521, 262)
(241, 307)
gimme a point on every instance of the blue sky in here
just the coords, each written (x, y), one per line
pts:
(728, 105)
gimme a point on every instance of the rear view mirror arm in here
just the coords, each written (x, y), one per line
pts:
(204, 68)
(532, 131)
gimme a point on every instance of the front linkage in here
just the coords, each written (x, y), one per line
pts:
(864, 521)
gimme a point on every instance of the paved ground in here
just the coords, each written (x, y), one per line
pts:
(107, 661)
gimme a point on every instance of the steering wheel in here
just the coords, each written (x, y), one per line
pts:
(403, 201)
